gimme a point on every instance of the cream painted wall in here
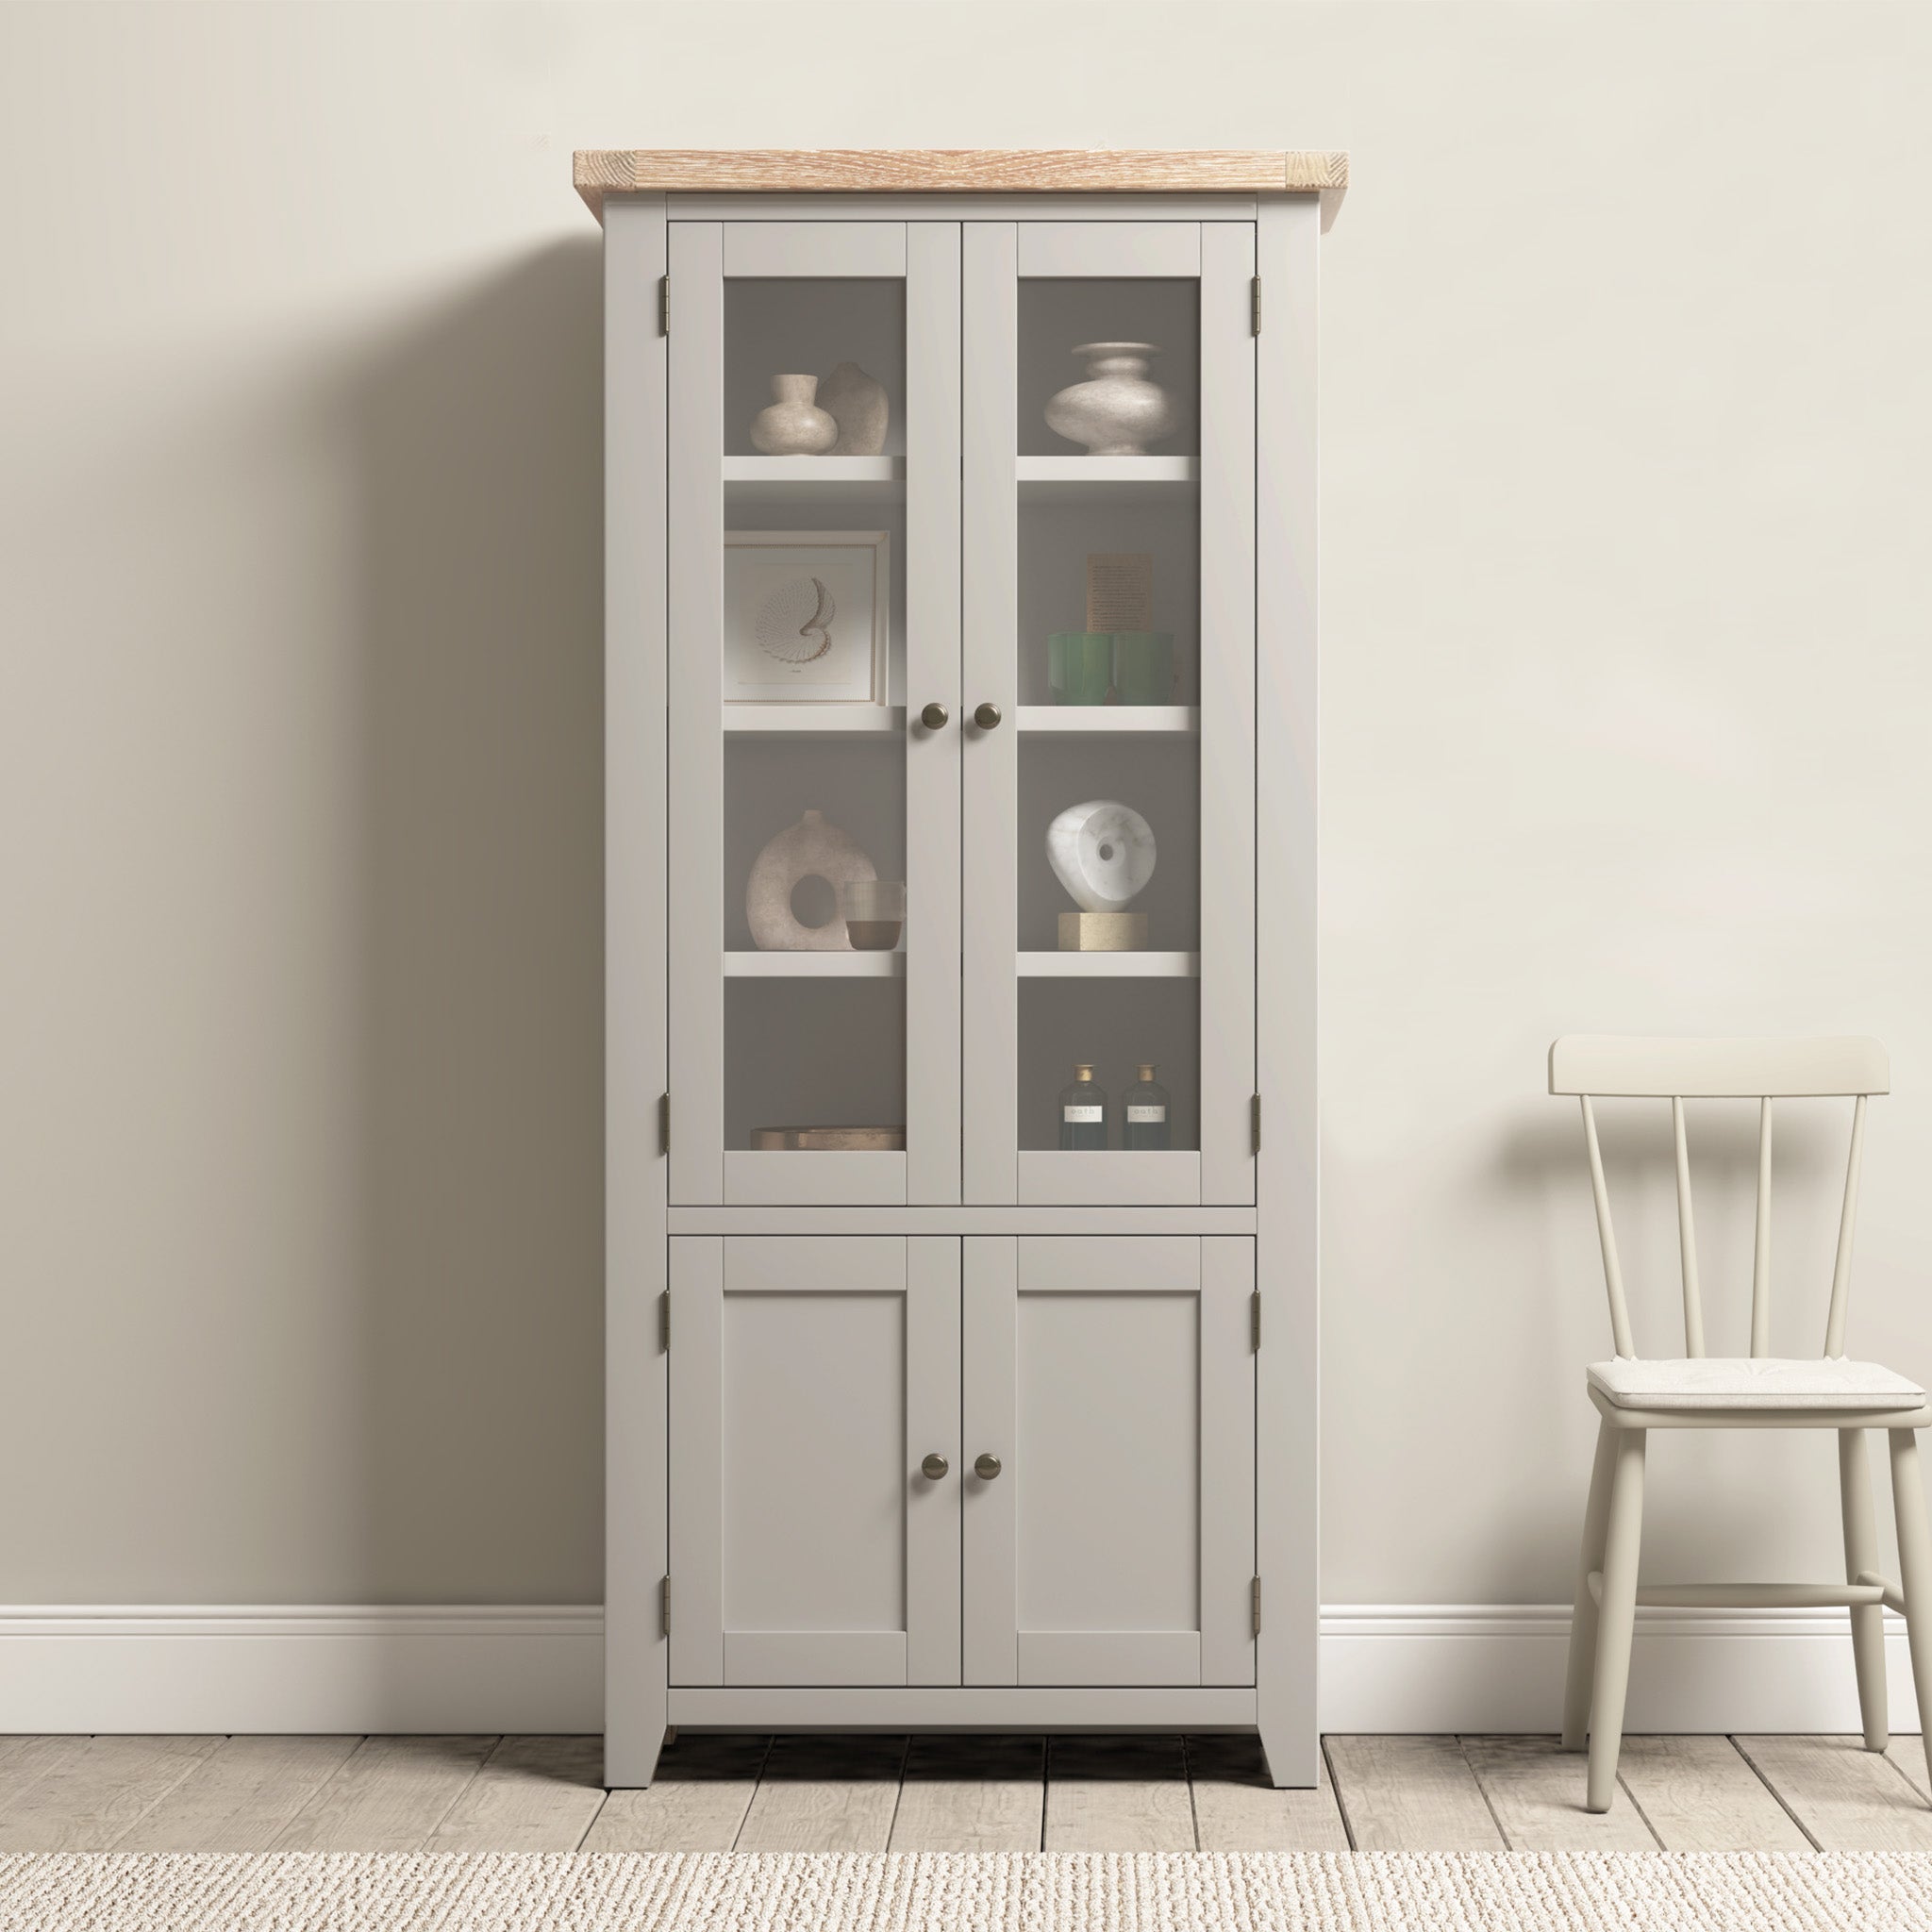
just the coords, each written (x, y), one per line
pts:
(1626, 725)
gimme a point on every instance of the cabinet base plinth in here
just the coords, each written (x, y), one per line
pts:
(946, 1707)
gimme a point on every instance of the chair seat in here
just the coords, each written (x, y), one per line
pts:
(1738, 1382)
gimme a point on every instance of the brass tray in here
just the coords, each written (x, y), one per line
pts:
(828, 1140)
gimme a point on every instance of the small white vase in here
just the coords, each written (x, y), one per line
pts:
(792, 425)
(1118, 411)
(856, 402)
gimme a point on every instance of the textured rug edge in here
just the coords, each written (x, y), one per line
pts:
(950, 1891)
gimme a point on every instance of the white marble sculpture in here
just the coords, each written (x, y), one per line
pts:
(1119, 410)
(813, 848)
(791, 424)
(1102, 852)
(856, 402)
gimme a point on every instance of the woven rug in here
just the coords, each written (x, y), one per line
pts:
(1038, 1891)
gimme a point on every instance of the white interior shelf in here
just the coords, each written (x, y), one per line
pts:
(850, 479)
(1077, 478)
(1074, 721)
(1109, 965)
(755, 965)
(815, 721)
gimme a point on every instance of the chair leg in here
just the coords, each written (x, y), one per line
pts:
(1861, 1555)
(1915, 1570)
(1616, 1616)
(1583, 1619)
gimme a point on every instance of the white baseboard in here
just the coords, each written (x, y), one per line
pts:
(1398, 1667)
(1499, 1667)
(302, 1668)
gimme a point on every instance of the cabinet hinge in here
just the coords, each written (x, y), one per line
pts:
(664, 1125)
(667, 1605)
(1254, 1321)
(1254, 1124)
(664, 305)
(1255, 313)
(665, 1321)
(1258, 1605)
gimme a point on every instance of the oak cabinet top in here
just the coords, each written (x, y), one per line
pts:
(956, 171)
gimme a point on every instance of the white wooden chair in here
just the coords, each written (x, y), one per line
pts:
(1700, 1391)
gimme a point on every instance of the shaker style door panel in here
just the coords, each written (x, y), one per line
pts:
(810, 1379)
(1108, 663)
(813, 613)
(1112, 1378)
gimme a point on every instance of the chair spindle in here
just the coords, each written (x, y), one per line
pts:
(1614, 1274)
(1686, 1235)
(1760, 1252)
(1841, 1266)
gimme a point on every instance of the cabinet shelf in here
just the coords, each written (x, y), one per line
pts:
(1085, 478)
(1077, 721)
(843, 479)
(823, 722)
(1109, 965)
(754, 965)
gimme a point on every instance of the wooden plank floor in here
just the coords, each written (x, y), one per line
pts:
(1130, 1792)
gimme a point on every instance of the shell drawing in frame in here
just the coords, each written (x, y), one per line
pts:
(1103, 853)
(794, 624)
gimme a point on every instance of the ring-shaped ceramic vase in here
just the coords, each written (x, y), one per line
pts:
(814, 848)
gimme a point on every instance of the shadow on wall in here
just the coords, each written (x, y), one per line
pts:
(478, 452)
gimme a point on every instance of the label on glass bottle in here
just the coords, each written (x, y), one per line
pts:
(1139, 1115)
(1082, 1113)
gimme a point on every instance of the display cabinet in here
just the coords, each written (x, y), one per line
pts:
(961, 774)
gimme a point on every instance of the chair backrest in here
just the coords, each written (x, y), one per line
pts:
(1603, 1064)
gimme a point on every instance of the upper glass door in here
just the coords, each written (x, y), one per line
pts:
(814, 810)
(1109, 753)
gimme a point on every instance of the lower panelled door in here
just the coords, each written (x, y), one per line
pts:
(810, 1379)
(1112, 1381)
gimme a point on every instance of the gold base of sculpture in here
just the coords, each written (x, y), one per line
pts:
(1103, 932)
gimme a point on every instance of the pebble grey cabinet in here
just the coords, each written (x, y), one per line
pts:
(971, 1432)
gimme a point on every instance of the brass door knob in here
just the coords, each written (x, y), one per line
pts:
(934, 718)
(986, 1467)
(987, 716)
(934, 1467)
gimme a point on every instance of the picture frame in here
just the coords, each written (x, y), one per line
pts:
(806, 617)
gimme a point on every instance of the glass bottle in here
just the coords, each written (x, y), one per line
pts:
(1144, 1114)
(1083, 1113)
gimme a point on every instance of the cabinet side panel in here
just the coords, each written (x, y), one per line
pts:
(990, 759)
(1227, 713)
(635, 1175)
(932, 677)
(1287, 1177)
(696, 760)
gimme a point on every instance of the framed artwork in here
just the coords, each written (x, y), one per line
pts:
(807, 616)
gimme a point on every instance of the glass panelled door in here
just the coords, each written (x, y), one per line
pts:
(814, 759)
(1107, 756)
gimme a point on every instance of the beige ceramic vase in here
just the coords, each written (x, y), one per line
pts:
(813, 848)
(1120, 409)
(791, 424)
(857, 403)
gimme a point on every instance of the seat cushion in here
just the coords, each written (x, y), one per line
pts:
(1738, 1382)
